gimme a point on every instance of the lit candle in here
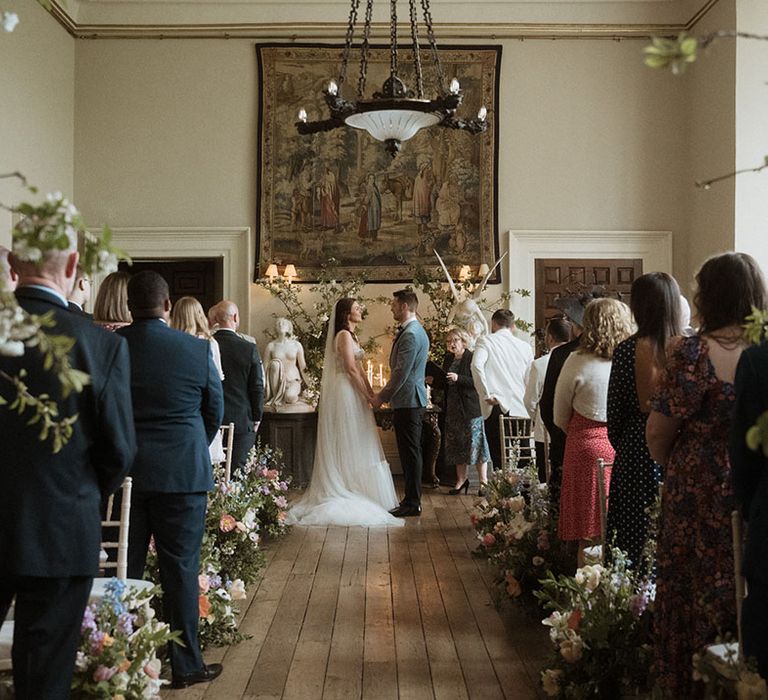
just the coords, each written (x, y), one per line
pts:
(333, 88)
(381, 375)
(482, 114)
(303, 115)
(455, 86)
(369, 372)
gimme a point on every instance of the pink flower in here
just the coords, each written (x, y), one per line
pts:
(203, 583)
(272, 474)
(280, 502)
(489, 540)
(227, 523)
(104, 673)
(153, 668)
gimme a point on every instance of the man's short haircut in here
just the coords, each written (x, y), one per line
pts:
(147, 290)
(559, 330)
(504, 318)
(407, 297)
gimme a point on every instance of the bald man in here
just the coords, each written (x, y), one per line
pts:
(243, 379)
(8, 277)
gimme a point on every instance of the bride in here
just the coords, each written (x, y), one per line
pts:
(351, 482)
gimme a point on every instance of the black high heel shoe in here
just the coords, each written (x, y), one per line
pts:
(464, 487)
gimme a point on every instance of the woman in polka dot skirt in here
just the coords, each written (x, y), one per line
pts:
(637, 364)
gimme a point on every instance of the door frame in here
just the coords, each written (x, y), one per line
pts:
(525, 246)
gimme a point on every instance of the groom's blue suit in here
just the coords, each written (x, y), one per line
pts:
(406, 392)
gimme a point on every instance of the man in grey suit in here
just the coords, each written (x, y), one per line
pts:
(406, 392)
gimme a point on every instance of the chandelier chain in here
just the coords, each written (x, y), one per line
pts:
(364, 50)
(416, 56)
(393, 37)
(348, 41)
(433, 45)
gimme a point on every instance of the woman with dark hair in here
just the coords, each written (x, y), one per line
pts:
(351, 481)
(687, 434)
(637, 364)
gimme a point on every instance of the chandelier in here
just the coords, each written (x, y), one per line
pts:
(396, 112)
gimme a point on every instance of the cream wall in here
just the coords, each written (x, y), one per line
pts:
(165, 135)
(37, 105)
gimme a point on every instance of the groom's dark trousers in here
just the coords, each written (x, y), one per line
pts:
(407, 423)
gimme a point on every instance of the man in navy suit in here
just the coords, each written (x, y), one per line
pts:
(50, 522)
(243, 379)
(406, 392)
(750, 474)
(178, 405)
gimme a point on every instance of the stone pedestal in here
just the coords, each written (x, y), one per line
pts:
(294, 434)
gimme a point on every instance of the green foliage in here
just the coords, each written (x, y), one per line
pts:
(675, 54)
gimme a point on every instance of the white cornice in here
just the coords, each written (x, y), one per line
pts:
(545, 19)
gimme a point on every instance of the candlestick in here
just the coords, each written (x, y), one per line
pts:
(369, 372)
(381, 375)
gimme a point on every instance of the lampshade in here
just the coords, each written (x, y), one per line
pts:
(289, 272)
(397, 124)
(271, 271)
(484, 270)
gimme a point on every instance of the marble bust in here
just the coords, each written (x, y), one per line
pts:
(284, 371)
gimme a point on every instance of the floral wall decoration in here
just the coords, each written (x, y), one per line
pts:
(339, 194)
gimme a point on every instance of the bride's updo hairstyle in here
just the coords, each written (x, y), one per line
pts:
(343, 309)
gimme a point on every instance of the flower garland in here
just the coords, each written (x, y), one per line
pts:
(120, 637)
(517, 533)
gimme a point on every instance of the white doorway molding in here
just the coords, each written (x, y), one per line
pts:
(232, 245)
(525, 247)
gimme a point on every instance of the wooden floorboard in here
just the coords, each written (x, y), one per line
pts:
(402, 613)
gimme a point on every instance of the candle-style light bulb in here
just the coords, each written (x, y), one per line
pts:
(303, 115)
(482, 114)
(333, 88)
(455, 86)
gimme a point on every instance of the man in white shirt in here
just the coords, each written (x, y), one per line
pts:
(558, 331)
(500, 368)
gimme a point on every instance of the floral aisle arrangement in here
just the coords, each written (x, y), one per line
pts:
(518, 534)
(120, 637)
(601, 632)
(727, 676)
(310, 322)
(240, 512)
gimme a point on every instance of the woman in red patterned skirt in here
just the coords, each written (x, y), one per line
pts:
(580, 410)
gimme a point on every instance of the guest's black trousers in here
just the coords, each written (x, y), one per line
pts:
(46, 633)
(407, 423)
(177, 520)
(754, 621)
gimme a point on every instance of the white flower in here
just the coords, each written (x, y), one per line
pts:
(589, 576)
(558, 622)
(23, 251)
(10, 20)
(237, 590)
(550, 681)
(81, 661)
(11, 348)
(571, 649)
(222, 593)
(516, 504)
(249, 519)
(121, 680)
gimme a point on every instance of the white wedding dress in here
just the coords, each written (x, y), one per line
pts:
(351, 481)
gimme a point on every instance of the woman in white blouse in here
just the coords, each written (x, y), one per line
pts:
(580, 410)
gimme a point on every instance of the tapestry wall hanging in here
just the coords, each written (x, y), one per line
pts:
(339, 195)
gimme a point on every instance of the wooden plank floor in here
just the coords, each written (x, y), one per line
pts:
(382, 613)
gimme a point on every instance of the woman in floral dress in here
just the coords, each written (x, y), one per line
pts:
(637, 365)
(687, 434)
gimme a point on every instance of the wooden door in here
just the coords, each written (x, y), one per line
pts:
(559, 277)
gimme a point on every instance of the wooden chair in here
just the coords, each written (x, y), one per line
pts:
(227, 433)
(517, 444)
(120, 564)
(596, 553)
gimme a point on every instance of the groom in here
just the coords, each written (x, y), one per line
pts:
(406, 392)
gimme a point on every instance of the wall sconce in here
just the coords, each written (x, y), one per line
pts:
(271, 272)
(464, 273)
(483, 271)
(289, 273)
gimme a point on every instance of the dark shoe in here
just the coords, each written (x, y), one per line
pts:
(481, 490)
(464, 487)
(208, 673)
(406, 511)
(431, 484)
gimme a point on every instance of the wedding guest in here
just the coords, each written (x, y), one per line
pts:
(50, 528)
(243, 379)
(573, 308)
(187, 316)
(687, 434)
(80, 294)
(8, 276)
(556, 333)
(750, 479)
(178, 405)
(465, 442)
(581, 398)
(110, 310)
(637, 365)
(500, 368)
